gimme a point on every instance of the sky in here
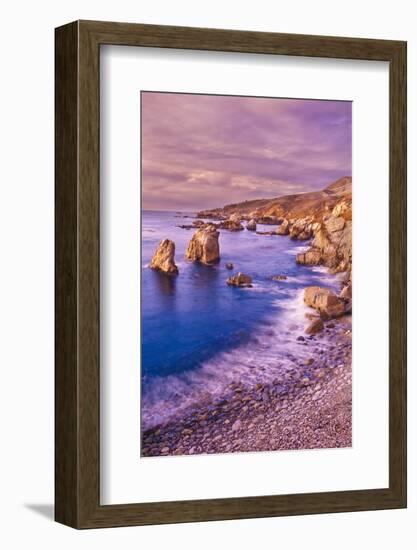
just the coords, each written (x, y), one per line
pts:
(205, 151)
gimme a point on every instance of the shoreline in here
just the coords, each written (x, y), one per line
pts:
(308, 406)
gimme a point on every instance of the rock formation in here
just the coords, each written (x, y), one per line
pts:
(284, 228)
(290, 207)
(231, 225)
(315, 326)
(235, 218)
(240, 280)
(346, 292)
(204, 246)
(332, 243)
(325, 301)
(163, 259)
(311, 257)
(251, 225)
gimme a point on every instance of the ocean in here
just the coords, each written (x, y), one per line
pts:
(198, 334)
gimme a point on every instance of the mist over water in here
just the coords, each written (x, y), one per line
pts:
(198, 334)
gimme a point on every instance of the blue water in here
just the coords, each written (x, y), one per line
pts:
(198, 334)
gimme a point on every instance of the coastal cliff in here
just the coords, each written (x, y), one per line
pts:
(322, 217)
(314, 204)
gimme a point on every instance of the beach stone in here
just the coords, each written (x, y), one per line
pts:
(163, 258)
(315, 326)
(236, 425)
(204, 246)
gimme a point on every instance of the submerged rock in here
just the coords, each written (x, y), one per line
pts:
(240, 280)
(163, 259)
(324, 300)
(229, 265)
(279, 277)
(204, 246)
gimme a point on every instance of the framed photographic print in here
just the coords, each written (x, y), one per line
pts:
(230, 274)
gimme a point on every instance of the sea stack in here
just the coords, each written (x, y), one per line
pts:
(163, 259)
(204, 246)
(251, 225)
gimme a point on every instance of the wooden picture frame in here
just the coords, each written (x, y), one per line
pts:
(77, 374)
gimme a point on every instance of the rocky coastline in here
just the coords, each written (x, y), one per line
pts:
(309, 406)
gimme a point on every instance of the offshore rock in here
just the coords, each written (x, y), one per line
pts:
(204, 246)
(251, 225)
(163, 259)
(240, 280)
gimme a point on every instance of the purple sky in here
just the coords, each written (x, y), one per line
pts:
(202, 151)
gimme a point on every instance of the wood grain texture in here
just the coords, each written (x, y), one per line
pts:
(66, 237)
(78, 284)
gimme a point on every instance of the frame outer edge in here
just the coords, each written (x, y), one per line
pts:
(77, 275)
(66, 275)
(398, 274)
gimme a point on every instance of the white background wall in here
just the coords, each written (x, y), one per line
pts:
(26, 273)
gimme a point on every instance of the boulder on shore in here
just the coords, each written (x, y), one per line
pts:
(251, 225)
(346, 292)
(311, 257)
(163, 259)
(314, 327)
(324, 300)
(204, 246)
(240, 280)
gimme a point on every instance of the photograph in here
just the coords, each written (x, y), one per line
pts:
(246, 275)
